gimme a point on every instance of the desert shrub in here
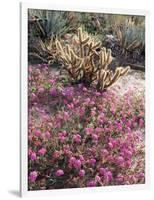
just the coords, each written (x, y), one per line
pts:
(79, 137)
(46, 51)
(44, 26)
(51, 23)
(125, 36)
(130, 36)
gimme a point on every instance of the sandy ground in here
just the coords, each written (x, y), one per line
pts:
(134, 79)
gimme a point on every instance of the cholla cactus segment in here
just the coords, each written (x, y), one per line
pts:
(105, 58)
(107, 78)
(88, 62)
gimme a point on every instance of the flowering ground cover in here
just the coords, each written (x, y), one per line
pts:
(81, 137)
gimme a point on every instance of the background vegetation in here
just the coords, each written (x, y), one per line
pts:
(123, 34)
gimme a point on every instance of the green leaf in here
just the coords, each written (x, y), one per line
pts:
(33, 89)
(47, 85)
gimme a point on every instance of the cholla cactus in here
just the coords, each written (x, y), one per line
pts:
(106, 77)
(87, 61)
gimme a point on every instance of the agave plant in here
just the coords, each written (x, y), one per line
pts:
(51, 23)
(130, 36)
(44, 27)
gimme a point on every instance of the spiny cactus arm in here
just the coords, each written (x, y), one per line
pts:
(109, 57)
(85, 41)
(96, 46)
(72, 71)
(85, 38)
(66, 58)
(69, 71)
(92, 47)
(94, 76)
(79, 67)
(101, 59)
(76, 60)
(101, 77)
(110, 75)
(86, 64)
(76, 68)
(105, 58)
(80, 35)
(124, 71)
(68, 50)
(59, 46)
(89, 48)
(114, 78)
(90, 66)
(64, 54)
(73, 63)
(104, 76)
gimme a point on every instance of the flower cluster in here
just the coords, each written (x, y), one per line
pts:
(79, 137)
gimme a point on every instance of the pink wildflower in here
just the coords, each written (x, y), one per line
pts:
(109, 176)
(91, 183)
(53, 92)
(66, 116)
(33, 156)
(37, 133)
(42, 151)
(62, 138)
(92, 161)
(98, 130)
(77, 164)
(102, 171)
(81, 158)
(104, 152)
(77, 138)
(110, 144)
(32, 176)
(141, 123)
(81, 172)
(56, 154)
(97, 178)
(120, 160)
(41, 90)
(72, 160)
(47, 134)
(89, 131)
(70, 106)
(94, 137)
(59, 172)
